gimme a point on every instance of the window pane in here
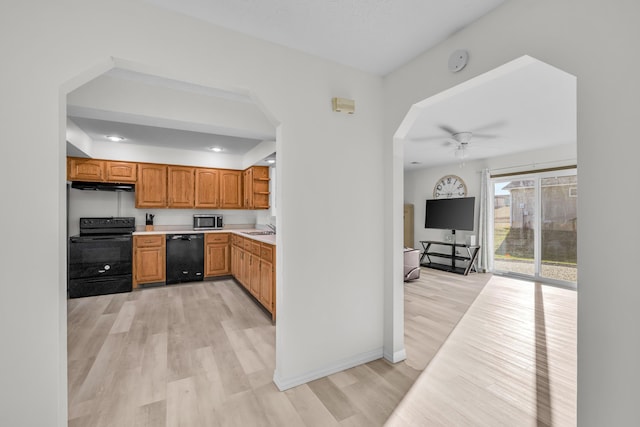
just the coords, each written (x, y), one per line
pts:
(559, 231)
(514, 224)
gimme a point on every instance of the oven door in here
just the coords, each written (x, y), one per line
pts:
(99, 256)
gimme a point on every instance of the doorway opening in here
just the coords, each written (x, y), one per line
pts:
(534, 226)
(125, 205)
(520, 116)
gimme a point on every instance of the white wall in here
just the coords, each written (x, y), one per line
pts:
(106, 203)
(590, 39)
(50, 48)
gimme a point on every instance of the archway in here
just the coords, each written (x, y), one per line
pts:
(84, 77)
(429, 114)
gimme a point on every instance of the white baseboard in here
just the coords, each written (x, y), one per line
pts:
(396, 357)
(287, 383)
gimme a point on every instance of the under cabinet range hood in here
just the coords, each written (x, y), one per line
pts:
(102, 186)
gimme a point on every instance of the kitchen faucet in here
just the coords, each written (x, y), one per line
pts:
(272, 227)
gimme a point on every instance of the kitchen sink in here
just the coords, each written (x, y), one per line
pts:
(259, 233)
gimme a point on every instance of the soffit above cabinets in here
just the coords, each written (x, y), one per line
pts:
(161, 113)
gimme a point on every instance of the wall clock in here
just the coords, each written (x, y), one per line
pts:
(449, 187)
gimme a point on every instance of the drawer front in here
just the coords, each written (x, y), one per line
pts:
(266, 252)
(217, 238)
(148, 241)
(255, 248)
(247, 244)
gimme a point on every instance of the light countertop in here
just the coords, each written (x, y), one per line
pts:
(185, 229)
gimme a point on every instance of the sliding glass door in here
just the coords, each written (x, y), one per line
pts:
(534, 226)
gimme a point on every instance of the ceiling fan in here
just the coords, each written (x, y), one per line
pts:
(461, 139)
(462, 135)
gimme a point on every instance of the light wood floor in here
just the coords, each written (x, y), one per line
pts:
(511, 361)
(203, 355)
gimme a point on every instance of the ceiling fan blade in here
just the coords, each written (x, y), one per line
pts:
(448, 129)
(450, 142)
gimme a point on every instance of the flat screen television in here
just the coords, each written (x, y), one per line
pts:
(450, 214)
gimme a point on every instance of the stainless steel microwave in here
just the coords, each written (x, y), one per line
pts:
(207, 222)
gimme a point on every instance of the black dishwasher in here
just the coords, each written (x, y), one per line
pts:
(185, 258)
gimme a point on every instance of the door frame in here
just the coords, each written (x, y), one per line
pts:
(537, 226)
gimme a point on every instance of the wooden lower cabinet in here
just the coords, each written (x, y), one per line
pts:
(245, 269)
(268, 277)
(254, 273)
(149, 259)
(254, 268)
(267, 286)
(217, 255)
(252, 265)
(234, 260)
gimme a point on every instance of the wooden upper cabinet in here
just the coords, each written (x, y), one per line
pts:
(247, 193)
(79, 169)
(151, 187)
(121, 171)
(260, 187)
(230, 189)
(256, 188)
(207, 189)
(181, 186)
(161, 185)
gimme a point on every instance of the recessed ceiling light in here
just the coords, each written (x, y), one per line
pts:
(271, 161)
(216, 149)
(115, 138)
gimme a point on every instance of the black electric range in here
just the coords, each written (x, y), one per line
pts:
(100, 257)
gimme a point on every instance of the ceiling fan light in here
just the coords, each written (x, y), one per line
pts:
(463, 137)
(115, 138)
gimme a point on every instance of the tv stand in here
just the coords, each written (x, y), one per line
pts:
(467, 259)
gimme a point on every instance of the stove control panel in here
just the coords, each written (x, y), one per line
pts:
(107, 224)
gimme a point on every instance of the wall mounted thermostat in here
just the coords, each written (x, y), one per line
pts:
(458, 60)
